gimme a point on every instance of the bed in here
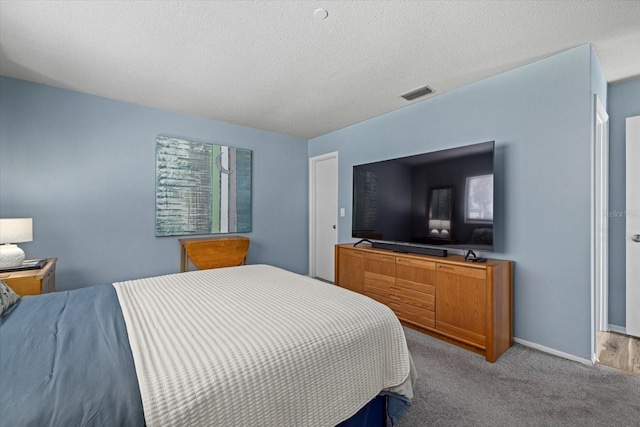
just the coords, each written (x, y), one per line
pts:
(240, 346)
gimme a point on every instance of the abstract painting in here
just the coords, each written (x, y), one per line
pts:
(201, 188)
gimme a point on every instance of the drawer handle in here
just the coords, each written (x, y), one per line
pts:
(442, 267)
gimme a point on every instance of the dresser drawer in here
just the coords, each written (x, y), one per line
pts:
(380, 258)
(416, 274)
(417, 263)
(393, 305)
(386, 301)
(25, 285)
(409, 313)
(476, 273)
(413, 298)
(376, 284)
(380, 267)
(416, 315)
(416, 286)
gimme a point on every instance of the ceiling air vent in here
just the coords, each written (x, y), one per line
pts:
(417, 93)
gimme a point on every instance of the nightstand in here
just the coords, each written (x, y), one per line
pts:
(32, 282)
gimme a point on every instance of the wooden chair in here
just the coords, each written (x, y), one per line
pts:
(213, 252)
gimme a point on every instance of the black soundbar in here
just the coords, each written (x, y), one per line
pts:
(410, 249)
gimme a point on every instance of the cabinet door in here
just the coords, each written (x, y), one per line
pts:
(350, 270)
(461, 298)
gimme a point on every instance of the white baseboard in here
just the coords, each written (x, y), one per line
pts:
(553, 351)
(618, 329)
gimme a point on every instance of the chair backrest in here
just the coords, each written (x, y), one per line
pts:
(217, 252)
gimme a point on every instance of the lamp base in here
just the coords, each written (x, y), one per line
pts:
(11, 256)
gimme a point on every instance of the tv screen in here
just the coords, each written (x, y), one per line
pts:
(439, 199)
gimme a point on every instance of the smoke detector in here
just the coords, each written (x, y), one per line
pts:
(320, 14)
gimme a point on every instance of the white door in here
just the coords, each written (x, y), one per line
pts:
(324, 215)
(633, 226)
(601, 222)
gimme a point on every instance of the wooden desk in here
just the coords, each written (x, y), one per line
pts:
(213, 252)
(32, 282)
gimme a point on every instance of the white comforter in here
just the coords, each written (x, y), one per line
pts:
(257, 346)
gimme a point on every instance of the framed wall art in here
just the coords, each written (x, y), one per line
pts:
(201, 188)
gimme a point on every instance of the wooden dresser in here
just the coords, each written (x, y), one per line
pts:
(467, 304)
(32, 282)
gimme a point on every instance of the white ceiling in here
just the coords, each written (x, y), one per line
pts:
(272, 65)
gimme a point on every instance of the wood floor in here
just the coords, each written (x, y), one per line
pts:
(619, 351)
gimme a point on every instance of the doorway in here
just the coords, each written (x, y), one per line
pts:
(600, 226)
(618, 350)
(323, 215)
(632, 232)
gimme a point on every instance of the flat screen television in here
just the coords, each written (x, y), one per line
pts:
(441, 199)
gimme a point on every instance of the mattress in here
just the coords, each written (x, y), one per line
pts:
(258, 345)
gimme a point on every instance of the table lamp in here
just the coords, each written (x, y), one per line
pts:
(14, 230)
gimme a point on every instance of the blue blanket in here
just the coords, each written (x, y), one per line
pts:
(65, 360)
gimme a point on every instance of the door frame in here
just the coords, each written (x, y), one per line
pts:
(599, 226)
(632, 292)
(313, 161)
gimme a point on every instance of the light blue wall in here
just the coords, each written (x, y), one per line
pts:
(624, 101)
(540, 116)
(84, 168)
(598, 83)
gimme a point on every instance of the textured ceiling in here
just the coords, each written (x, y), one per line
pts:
(273, 65)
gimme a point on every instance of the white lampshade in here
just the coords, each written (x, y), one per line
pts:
(14, 230)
